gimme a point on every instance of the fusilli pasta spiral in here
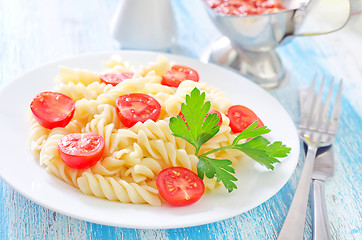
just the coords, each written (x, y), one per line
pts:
(133, 156)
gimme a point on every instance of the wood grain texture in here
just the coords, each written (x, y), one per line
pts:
(33, 33)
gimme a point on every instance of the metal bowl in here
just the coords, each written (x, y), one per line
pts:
(250, 41)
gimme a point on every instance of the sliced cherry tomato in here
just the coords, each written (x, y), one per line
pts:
(179, 186)
(81, 150)
(241, 117)
(137, 107)
(210, 111)
(177, 74)
(115, 78)
(52, 109)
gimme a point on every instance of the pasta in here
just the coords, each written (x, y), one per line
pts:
(133, 156)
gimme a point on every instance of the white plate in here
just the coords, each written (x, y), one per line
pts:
(255, 185)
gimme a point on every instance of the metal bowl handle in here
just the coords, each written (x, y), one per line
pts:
(355, 10)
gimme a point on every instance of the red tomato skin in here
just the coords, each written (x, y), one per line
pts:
(241, 117)
(171, 181)
(178, 74)
(40, 108)
(80, 159)
(115, 78)
(210, 111)
(128, 118)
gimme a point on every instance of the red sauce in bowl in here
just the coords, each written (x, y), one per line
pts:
(245, 7)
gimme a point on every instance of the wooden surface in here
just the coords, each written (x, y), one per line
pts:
(35, 32)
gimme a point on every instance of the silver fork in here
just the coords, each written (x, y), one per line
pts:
(316, 129)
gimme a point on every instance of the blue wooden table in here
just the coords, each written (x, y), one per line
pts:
(33, 33)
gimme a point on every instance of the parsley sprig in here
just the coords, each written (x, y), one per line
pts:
(201, 128)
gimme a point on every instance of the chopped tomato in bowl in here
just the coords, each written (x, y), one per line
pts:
(245, 7)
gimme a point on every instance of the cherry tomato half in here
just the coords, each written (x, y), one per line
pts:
(241, 117)
(52, 109)
(179, 186)
(177, 74)
(115, 78)
(137, 107)
(81, 150)
(210, 111)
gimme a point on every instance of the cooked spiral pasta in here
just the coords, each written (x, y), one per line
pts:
(38, 136)
(160, 67)
(133, 156)
(116, 63)
(80, 91)
(113, 188)
(68, 75)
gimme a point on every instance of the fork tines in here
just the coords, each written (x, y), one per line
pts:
(315, 114)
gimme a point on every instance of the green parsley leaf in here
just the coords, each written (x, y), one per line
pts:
(219, 168)
(278, 149)
(180, 129)
(251, 132)
(209, 128)
(260, 149)
(198, 129)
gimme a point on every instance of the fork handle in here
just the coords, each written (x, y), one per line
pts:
(293, 227)
(320, 216)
